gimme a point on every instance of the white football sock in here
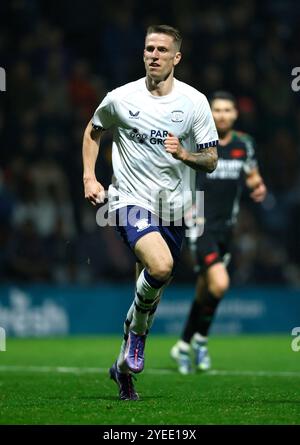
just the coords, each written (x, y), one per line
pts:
(145, 298)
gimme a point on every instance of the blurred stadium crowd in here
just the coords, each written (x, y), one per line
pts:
(61, 58)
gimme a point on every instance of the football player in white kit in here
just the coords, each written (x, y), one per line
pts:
(161, 127)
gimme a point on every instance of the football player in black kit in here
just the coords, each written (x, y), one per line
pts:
(222, 190)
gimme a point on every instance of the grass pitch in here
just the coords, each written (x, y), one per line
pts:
(64, 381)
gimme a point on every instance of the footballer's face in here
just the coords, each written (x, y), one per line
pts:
(160, 56)
(224, 114)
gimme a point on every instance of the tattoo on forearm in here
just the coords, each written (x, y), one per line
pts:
(205, 160)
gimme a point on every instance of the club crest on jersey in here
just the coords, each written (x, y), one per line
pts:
(177, 116)
(142, 224)
(133, 115)
(237, 153)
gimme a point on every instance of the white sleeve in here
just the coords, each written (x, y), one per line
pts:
(204, 128)
(105, 115)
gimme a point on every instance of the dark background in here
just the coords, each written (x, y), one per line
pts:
(60, 60)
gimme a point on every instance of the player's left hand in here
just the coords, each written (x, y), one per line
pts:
(173, 146)
(259, 193)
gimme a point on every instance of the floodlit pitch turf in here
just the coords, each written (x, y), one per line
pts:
(255, 380)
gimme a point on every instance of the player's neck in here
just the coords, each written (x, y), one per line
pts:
(160, 88)
(225, 138)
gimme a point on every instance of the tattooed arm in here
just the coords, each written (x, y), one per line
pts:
(206, 160)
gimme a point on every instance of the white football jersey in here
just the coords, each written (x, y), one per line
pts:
(144, 173)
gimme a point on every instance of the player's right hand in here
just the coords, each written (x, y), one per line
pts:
(93, 191)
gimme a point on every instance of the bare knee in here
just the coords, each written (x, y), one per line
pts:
(155, 255)
(161, 270)
(219, 286)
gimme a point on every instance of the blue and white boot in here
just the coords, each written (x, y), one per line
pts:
(180, 352)
(200, 351)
